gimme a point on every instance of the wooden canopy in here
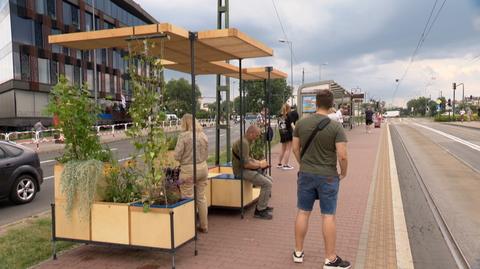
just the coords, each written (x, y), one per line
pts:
(258, 73)
(172, 43)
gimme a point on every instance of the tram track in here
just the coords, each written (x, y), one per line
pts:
(452, 244)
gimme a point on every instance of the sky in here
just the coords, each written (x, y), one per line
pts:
(364, 45)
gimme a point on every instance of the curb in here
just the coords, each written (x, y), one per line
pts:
(463, 126)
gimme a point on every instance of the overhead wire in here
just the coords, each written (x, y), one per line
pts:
(283, 30)
(426, 31)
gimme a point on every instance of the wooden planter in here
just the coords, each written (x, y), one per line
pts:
(110, 223)
(76, 226)
(221, 170)
(226, 192)
(165, 227)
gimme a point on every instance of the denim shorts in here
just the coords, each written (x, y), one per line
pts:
(311, 187)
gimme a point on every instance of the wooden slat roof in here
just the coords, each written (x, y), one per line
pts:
(258, 73)
(212, 46)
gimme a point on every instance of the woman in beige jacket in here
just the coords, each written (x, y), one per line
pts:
(184, 155)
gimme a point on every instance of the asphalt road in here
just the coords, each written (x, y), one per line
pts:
(448, 160)
(121, 150)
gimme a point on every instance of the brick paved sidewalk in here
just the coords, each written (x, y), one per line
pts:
(252, 243)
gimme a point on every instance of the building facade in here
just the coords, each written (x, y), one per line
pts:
(29, 66)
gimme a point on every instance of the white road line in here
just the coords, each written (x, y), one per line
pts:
(113, 149)
(404, 252)
(47, 161)
(125, 159)
(454, 138)
(47, 178)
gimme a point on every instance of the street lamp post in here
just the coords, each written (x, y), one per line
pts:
(320, 71)
(290, 44)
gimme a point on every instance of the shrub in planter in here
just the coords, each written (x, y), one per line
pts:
(82, 160)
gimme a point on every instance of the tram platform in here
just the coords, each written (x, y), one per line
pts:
(371, 230)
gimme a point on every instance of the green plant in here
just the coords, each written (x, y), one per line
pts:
(172, 141)
(257, 149)
(122, 184)
(77, 114)
(147, 113)
(79, 184)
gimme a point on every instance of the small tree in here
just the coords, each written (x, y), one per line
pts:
(147, 114)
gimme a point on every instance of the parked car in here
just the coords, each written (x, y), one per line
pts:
(20, 173)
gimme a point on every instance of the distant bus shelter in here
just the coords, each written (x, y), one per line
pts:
(307, 96)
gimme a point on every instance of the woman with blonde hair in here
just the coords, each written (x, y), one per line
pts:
(286, 136)
(184, 155)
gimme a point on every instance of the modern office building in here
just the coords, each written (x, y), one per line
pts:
(29, 66)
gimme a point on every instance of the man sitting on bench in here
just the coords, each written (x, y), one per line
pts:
(253, 172)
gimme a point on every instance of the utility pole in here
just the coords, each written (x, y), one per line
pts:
(303, 76)
(223, 22)
(453, 101)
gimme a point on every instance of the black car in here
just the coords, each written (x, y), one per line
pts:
(20, 173)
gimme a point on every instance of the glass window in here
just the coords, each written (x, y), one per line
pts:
(90, 79)
(14, 151)
(88, 21)
(51, 8)
(97, 23)
(17, 70)
(43, 71)
(108, 89)
(40, 6)
(23, 30)
(69, 73)
(25, 66)
(75, 16)
(38, 35)
(53, 72)
(77, 75)
(67, 13)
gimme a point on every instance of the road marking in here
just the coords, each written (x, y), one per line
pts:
(113, 149)
(47, 161)
(47, 178)
(125, 159)
(454, 138)
(404, 253)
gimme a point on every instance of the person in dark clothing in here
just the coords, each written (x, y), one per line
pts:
(369, 118)
(286, 122)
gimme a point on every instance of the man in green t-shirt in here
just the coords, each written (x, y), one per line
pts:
(252, 171)
(318, 177)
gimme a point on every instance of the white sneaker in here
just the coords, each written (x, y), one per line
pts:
(298, 256)
(287, 167)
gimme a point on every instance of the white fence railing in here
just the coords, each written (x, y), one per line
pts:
(44, 136)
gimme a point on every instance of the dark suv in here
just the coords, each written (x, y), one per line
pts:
(20, 173)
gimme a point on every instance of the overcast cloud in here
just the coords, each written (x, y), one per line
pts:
(366, 43)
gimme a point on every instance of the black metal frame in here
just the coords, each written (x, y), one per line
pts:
(193, 36)
(172, 250)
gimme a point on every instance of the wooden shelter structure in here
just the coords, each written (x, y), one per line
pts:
(196, 53)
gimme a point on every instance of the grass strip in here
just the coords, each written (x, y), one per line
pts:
(28, 244)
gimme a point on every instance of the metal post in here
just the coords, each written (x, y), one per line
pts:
(291, 69)
(172, 237)
(193, 37)
(265, 120)
(223, 22)
(269, 91)
(54, 232)
(453, 105)
(95, 75)
(242, 126)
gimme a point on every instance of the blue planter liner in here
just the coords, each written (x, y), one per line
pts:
(182, 202)
(226, 176)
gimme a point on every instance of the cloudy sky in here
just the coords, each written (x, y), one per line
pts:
(367, 44)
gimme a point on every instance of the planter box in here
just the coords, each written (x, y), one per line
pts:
(110, 223)
(226, 192)
(75, 226)
(154, 228)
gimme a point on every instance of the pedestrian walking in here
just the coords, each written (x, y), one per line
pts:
(184, 155)
(253, 171)
(368, 119)
(285, 129)
(318, 144)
